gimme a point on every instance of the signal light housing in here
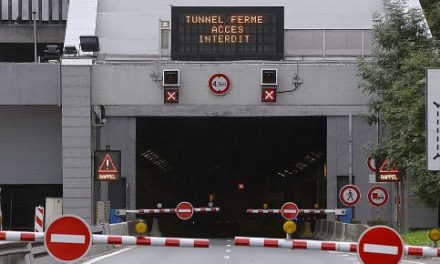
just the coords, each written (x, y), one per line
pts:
(269, 77)
(170, 78)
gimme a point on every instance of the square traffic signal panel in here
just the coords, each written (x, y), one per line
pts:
(268, 77)
(269, 94)
(170, 78)
(171, 95)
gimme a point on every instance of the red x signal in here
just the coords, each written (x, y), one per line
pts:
(269, 95)
(171, 96)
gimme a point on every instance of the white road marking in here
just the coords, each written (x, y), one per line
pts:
(228, 251)
(380, 249)
(228, 245)
(410, 261)
(72, 239)
(107, 256)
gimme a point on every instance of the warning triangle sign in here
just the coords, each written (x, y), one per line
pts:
(107, 165)
(388, 167)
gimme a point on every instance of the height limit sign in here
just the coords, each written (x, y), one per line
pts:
(108, 165)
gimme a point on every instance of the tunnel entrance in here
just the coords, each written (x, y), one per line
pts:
(234, 162)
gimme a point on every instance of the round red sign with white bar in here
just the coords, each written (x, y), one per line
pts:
(378, 196)
(219, 84)
(380, 244)
(68, 238)
(184, 210)
(289, 211)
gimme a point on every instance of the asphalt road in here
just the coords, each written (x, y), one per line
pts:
(223, 252)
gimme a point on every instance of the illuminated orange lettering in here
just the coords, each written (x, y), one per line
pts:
(227, 39)
(214, 29)
(240, 29)
(260, 19)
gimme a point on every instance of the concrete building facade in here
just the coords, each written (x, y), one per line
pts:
(52, 108)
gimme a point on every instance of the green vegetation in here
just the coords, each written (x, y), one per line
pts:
(417, 238)
(395, 79)
(431, 9)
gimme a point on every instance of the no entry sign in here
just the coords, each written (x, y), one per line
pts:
(184, 210)
(380, 244)
(350, 195)
(289, 211)
(378, 196)
(68, 238)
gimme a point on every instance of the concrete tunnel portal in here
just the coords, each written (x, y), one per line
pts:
(234, 162)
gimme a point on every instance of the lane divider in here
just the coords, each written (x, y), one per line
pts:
(333, 246)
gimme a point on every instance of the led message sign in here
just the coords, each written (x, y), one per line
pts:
(227, 33)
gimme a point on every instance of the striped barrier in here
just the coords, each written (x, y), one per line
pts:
(150, 211)
(39, 219)
(164, 210)
(150, 241)
(301, 211)
(325, 245)
(422, 251)
(296, 244)
(17, 236)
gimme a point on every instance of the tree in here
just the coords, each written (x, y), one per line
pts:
(431, 9)
(395, 79)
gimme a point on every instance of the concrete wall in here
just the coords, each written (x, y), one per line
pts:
(77, 139)
(338, 162)
(29, 84)
(30, 140)
(117, 34)
(12, 33)
(327, 89)
(120, 134)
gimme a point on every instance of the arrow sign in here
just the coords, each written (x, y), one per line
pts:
(184, 210)
(68, 238)
(380, 244)
(289, 211)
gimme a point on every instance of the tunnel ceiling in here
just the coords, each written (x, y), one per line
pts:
(249, 146)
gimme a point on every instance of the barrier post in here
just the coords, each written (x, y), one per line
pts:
(39, 219)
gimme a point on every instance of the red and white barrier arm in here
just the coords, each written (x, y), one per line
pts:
(263, 211)
(296, 244)
(301, 211)
(325, 245)
(21, 236)
(207, 209)
(163, 211)
(322, 211)
(152, 211)
(150, 241)
(422, 251)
